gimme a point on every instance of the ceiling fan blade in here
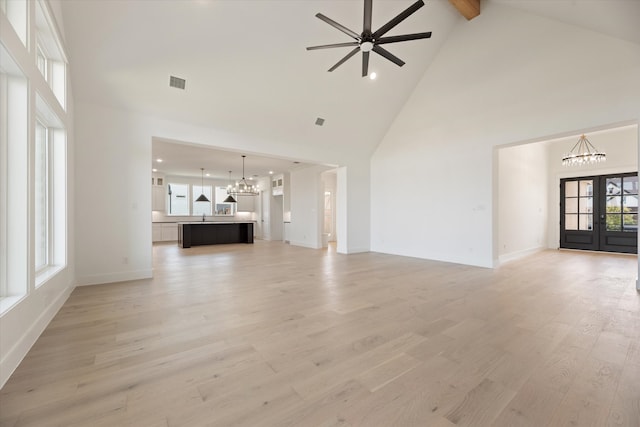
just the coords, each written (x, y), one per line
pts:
(342, 61)
(403, 38)
(338, 26)
(391, 57)
(398, 19)
(328, 46)
(365, 64)
(367, 16)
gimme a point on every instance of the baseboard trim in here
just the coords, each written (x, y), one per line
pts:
(14, 356)
(99, 279)
(519, 254)
(304, 245)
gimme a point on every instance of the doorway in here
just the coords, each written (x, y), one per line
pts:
(600, 213)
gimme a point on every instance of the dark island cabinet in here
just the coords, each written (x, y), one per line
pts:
(214, 233)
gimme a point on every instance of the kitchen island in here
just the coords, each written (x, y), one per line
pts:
(214, 233)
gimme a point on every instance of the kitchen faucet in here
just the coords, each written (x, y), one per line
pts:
(203, 217)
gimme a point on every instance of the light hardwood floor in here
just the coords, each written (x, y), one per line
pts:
(275, 335)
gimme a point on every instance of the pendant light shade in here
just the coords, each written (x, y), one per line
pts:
(202, 197)
(230, 198)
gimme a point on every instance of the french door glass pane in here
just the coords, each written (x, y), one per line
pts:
(571, 189)
(614, 204)
(630, 203)
(571, 205)
(586, 188)
(630, 222)
(586, 222)
(630, 185)
(614, 186)
(586, 204)
(571, 222)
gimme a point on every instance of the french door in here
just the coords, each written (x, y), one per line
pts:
(600, 213)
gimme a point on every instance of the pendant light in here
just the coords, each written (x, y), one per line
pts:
(229, 198)
(242, 187)
(202, 197)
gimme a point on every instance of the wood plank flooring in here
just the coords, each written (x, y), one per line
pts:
(275, 335)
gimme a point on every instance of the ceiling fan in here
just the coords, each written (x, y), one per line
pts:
(370, 41)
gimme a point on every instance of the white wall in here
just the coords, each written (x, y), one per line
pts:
(353, 206)
(522, 200)
(621, 146)
(306, 207)
(23, 323)
(498, 80)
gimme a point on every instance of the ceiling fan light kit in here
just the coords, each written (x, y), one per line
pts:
(368, 41)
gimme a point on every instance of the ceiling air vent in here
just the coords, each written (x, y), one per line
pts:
(177, 82)
(319, 121)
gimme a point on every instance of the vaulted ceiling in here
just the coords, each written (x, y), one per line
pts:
(247, 70)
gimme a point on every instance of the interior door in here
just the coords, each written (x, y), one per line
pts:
(600, 213)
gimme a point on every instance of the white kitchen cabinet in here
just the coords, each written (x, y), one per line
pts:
(169, 232)
(245, 203)
(156, 232)
(158, 202)
(164, 232)
(277, 185)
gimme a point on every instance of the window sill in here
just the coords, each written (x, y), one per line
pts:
(7, 303)
(47, 273)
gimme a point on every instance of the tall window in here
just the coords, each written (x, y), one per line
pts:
(43, 214)
(49, 193)
(14, 179)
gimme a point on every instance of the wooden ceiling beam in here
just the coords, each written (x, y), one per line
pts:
(468, 8)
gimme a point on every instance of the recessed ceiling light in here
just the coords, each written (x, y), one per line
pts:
(373, 76)
(159, 160)
(270, 172)
(154, 170)
(206, 174)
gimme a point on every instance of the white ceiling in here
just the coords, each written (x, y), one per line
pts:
(248, 72)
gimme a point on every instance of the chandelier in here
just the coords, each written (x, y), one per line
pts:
(242, 187)
(583, 153)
